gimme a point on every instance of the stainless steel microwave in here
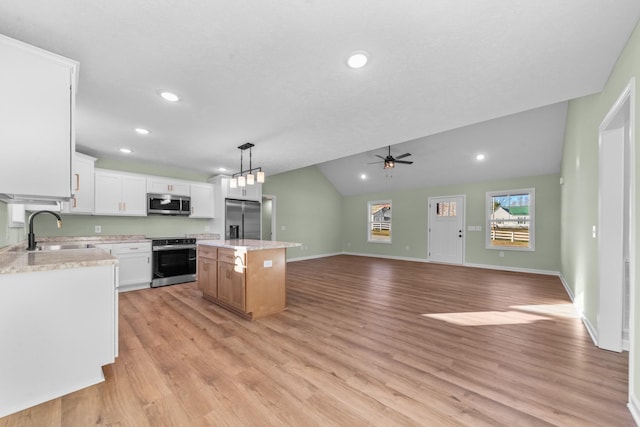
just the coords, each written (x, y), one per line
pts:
(168, 204)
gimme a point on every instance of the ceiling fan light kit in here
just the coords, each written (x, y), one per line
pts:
(390, 162)
(239, 179)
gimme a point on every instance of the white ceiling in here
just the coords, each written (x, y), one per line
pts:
(273, 73)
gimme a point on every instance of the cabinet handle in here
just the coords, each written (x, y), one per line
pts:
(75, 202)
(77, 181)
(148, 260)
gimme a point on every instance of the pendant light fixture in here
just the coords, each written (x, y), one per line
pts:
(239, 179)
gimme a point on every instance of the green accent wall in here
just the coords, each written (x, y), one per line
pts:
(9, 235)
(579, 253)
(410, 218)
(308, 210)
(150, 226)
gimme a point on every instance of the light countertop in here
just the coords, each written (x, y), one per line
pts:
(248, 244)
(15, 259)
(26, 262)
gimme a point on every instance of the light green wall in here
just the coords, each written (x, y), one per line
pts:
(150, 226)
(309, 208)
(409, 235)
(580, 189)
(9, 235)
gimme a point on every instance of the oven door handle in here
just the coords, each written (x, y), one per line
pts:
(172, 247)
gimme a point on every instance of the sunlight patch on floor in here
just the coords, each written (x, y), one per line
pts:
(559, 310)
(486, 318)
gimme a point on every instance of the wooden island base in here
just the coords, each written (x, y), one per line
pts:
(245, 276)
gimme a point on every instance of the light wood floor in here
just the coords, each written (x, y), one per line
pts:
(364, 342)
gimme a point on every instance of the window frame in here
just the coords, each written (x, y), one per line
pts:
(532, 219)
(370, 221)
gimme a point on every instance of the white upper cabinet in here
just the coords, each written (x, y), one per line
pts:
(37, 122)
(118, 193)
(249, 192)
(202, 201)
(82, 186)
(158, 185)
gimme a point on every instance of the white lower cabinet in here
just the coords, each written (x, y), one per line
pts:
(134, 264)
(58, 329)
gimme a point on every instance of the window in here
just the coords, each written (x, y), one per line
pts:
(379, 221)
(511, 220)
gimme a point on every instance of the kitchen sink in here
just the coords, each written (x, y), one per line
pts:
(62, 247)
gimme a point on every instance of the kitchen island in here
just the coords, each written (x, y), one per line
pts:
(245, 276)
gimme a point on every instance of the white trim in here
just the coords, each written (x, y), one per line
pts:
(514, 269)
(587, 324)
(464, 225)
(304, 258)
(379, 202)
(399, 258)
(532, 219)
(629, 94)
(634, 408)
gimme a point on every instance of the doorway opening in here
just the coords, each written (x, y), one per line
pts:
(616, 225)
(268, 217)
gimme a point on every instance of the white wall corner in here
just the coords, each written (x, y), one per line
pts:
(590, 329)
(634, 408)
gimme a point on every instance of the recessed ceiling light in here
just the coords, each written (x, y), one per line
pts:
(358, 59)
(143, 131)
(479, 156)
(126, 150)
(363, 176)
(222, 169)
(171, 97)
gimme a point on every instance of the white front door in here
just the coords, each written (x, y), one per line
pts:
(446, 229)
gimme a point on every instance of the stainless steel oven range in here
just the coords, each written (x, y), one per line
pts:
(174, 260)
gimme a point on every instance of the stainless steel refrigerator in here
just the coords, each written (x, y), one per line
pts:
(242, 219)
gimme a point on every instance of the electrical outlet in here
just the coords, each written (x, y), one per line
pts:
(98, 229)
(206, 228)
(501, 254)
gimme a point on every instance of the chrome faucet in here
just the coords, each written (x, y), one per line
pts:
(32, 237)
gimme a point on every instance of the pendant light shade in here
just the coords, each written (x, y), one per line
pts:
(239, 179)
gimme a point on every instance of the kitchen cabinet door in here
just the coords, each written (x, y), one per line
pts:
(134, 261)
(208, 276)
(37, 114)
(163, 186)
(120, 194)
(82, 186)
(202, 200)
(231, 285)
(108, 193)
(134, 195)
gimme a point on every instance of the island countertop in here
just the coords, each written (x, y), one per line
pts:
(249, 244)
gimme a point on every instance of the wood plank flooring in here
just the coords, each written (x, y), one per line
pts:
(364, 342)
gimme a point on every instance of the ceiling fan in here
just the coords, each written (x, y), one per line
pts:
(390, 161)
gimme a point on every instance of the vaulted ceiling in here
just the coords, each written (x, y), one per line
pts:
(445, 78)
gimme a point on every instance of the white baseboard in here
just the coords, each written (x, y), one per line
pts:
(400, 258)
(514, 269)
(304, 258)
(634, 408)
(587, 324)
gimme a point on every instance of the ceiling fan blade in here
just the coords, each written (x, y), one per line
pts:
(404, 162)
(402, 156)
(379, 156)
(372, 163)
